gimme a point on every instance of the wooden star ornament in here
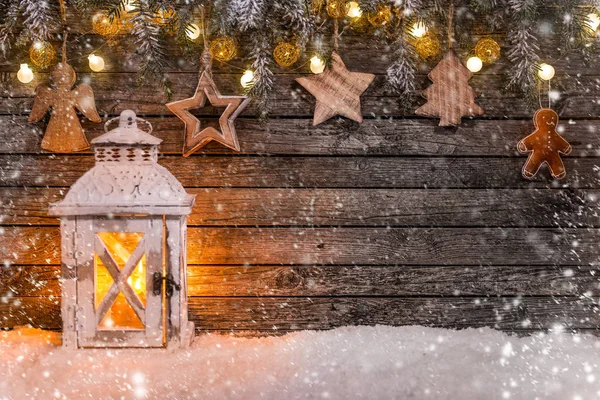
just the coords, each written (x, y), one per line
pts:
(337, 91)
(195, 137)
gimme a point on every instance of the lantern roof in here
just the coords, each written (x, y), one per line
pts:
(127, 132)
(126, 178)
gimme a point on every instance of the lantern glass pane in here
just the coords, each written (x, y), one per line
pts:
(120, 246)
(121, 316)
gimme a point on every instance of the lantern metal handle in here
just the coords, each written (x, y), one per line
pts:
(110, 121)
(170, 284)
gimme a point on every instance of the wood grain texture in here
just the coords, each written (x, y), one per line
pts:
(314, 172)
(393, 221)
(402, 137)
(337, 91)
(289, 314)
(450, 97)
(361, 49)
(346, 207)
(345, 280)
(355, 246)
(115, 92)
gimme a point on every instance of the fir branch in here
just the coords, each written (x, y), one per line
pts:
(247, 14)
(150, 41)
(523, 53)
(401, 74)
(575, 30)
(9, 24)
(182, 26)
(295, 17)
(40, 18)
(263, 75)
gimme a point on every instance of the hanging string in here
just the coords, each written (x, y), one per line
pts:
(206, 57)
(539, 87)
(549, 99)
(63, 15)
(450, 24)
(336, 29)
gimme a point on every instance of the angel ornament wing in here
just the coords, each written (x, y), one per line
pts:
(64, 133)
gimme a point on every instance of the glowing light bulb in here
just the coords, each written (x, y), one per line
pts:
(96, 63)
(419, 29)
(474, 64)
(129, 6)
(193, 31)
(247, 78)
(593, 21)
(317, 65)
(546, 72)
(25, 74)
(354, 10)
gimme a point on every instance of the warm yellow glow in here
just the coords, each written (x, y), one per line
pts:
(25, 74)
(354, 10)
(546, 72)
(129, 6)
(317, 65)
(247, 78)
(419, 30)
(193, 32)
(96, 63)
(593, 21)
(120, 247)
(474, 64)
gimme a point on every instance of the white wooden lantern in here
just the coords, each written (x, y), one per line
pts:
(123, 229)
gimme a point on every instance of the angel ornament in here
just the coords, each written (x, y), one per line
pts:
(64, 133)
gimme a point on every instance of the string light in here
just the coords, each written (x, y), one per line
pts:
(354, 10)
(546, 72)
(474, 64)
(193, 31)
(419, 29)
(129, 6)
(593, 21)
(317, 65)
(247, 78)
(25, 74)
(96, 63)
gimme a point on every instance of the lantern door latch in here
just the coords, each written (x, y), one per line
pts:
(170, 284)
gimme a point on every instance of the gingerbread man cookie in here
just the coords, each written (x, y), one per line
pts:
(544, 146)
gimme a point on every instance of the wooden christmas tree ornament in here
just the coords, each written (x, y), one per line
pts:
(337, 91)
(64, 133)
(544, 146)
(196, 137)
(450, 97)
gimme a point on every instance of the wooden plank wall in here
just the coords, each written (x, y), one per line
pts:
(393, 221)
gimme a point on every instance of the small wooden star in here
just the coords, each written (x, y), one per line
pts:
(337, 91)
(194, 137)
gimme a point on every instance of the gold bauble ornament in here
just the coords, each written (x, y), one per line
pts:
(286, 54)
(381, 16)
(102, 25)
(223, 48)
(42, 54)
(337, 8)
(317, 5)
(427, 46)
(488, 50)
